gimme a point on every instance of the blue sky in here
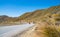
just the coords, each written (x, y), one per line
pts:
(16, 8)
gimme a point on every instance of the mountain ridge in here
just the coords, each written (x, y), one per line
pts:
(37, 15)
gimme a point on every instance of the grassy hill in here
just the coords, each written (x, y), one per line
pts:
(47, 22)
(41, 15)
(37, 15)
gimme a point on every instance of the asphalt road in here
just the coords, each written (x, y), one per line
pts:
(11, 31)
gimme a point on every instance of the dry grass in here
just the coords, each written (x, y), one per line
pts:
(48, 31)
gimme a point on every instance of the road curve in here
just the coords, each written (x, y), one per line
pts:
(11, 31)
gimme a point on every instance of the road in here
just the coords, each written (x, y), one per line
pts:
(11, 31)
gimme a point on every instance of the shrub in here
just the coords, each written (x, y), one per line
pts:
(51, 31)
(48, 30)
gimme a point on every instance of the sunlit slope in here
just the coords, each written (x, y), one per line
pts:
(37, 15)
(40, 14)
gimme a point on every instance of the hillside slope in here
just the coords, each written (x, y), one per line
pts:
(39, 14)
(47, 23)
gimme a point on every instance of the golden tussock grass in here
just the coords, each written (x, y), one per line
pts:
(48, 30)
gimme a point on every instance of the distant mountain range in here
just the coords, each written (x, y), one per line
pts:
(38, 15)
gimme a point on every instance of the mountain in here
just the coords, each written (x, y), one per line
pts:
(37, 15)
(6, 19)
(47, 22)
(42, 14)
(3, 18)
